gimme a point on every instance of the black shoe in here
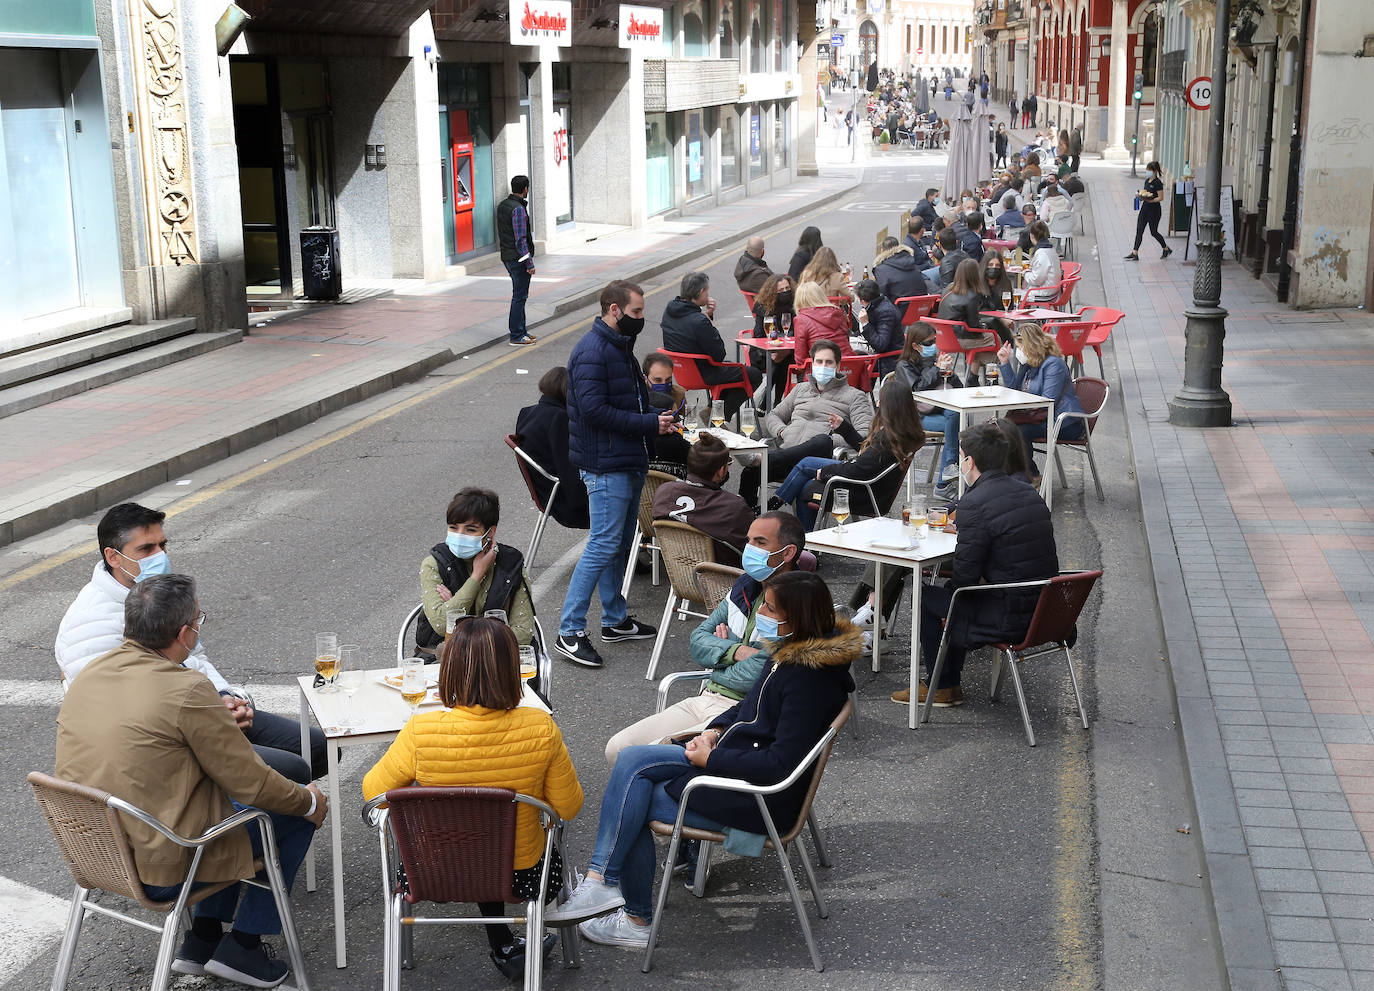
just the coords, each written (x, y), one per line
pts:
(257, 968)
(774, 504)
(578, 649)
(193, 954)
(1133, 257)
(628, 630)
(687, 853)
(510, 959)
(1167, 252)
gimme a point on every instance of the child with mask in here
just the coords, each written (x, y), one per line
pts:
(469, 573)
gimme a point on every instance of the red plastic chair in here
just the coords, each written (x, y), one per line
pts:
(1072, 338)
(857, 370)
(917, 308)
(947, 339)
(687, 374)
(845, 303)
(1071, 270)
(1103, 319)
(1052, 628)
(1065, 298)
(749, 298)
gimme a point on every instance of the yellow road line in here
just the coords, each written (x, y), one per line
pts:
(219, 488)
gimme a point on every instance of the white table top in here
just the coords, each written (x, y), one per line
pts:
(857, 541)
(987, 397)
(737, 443)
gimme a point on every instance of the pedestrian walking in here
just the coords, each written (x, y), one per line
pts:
(1075, 147)
(1012, 106)
(1150, 212)
(517, 254)
(849, 123)
(1029, 109)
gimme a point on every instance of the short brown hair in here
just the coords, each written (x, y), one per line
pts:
(480, 665)
(804, 598)
(482, 505)
(554, 384)
(707, 456)
(618, 293)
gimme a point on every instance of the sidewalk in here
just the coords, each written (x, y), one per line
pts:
(1261, 539)
(71, 457)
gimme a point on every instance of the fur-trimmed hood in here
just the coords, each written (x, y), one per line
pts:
(890, 252)
(840, 649)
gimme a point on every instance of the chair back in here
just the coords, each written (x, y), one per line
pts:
(1056, 612)
(1062, 225)
(1092, 396)
(652, 481)
(832, 733)
(1071, 270)
(857, 370)
(1065, 292)
(1072, 337)
(687, 372)
(843, 302)
(916, 308)
(457, 844)
(715, 582)
(528, 469)
(749, 298)
(947, 339)
(91, 837)
(683, 547)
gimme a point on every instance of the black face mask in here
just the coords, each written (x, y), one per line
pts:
(629, 326)
(994, 274)
(784, 301)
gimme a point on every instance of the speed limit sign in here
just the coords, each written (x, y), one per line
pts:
(1199, 95)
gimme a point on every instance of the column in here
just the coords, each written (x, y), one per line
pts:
(807, 110)
(1117, 80)
(541, 153)
(410, 113)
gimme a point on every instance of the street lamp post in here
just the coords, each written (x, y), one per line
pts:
(1201, 401)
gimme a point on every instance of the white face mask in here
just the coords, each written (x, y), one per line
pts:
(1021, 356)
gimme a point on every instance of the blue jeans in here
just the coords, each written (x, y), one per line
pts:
(800, 484)
(257, 913)
(947, 423)
(613, 506)
(636, 795)
(519, 292)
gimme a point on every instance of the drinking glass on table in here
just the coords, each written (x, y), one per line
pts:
(946, 365)
(938, 516)
(786, 325)
(747, 421)
(1006, 299)
(413, 687)
(918, 516)
(839, 508)
(327, 660)
(453, 615)
(770, 327)
(349, 680)
(991, 371)
(529, 665)
(496, 614)
(717, 413)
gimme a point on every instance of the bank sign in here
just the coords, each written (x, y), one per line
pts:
(641, 27)
(541, 22)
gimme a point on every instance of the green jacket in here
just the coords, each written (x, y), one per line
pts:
(472, 597)
(731, 678)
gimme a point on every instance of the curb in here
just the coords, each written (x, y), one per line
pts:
(110, 490)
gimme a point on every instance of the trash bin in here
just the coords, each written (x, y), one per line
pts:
(320, 271)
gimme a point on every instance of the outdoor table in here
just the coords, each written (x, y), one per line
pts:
(985, 399)
(912, 551)
(769, 347)
(382, 712)
(1000, 243)
(742, 446)
(1038, 315)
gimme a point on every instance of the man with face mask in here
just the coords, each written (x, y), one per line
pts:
(611, 424)
(734, 643)
(133, 548)
(702, 502)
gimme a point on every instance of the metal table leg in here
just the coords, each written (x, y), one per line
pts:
(915, 646)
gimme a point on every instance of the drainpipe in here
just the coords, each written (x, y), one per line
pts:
(1266, 163)
(1290, 205)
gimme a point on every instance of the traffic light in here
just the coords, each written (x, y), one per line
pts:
(1139, 87)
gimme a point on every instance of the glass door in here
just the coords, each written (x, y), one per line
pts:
(262, 185)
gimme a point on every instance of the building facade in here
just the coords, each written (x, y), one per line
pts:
(902, 35)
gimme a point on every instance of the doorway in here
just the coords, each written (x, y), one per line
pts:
(465, 155)
(262, 182)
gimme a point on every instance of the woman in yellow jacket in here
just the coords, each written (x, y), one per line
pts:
(484, 737)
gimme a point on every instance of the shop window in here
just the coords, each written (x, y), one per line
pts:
(779, 138)
(780, 34)
(725, 27)
(757, 163)
(696, 43)
(658, 165)
(698, 158)
(729, 150)
(1149, 49)
(757, 47)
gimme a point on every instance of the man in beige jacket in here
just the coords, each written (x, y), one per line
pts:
(141, 726)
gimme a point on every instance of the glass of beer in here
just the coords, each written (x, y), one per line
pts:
(747, 421)
(529, 665)
(453, 615)
(918, 516)
(413, 688)
(1006, 299)
(496, 614)
(717, 413)
(327, 660)
(839, 508)
(769, 326)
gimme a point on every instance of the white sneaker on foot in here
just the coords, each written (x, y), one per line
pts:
(591, 898)
(616, 930)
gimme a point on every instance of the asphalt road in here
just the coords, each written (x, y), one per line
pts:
(963, 859)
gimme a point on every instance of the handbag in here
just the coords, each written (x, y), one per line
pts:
(1028, 415)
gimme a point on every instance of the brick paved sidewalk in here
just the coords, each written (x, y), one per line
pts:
(1262, 543)
(69, 458)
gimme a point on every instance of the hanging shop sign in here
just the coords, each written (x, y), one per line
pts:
(641, 27)
(541, 22)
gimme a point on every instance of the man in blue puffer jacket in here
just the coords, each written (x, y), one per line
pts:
(610, 423)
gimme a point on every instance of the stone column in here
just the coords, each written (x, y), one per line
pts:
(807, 110)
(1117, 81)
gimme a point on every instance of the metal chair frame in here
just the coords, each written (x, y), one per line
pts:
(528, 464)
(1014, 655)
(44, 785)
(644, 525)
(817, 758)
(1053, 443)
(398, 932)
(543, 659)
(678, 595)
(863, 483)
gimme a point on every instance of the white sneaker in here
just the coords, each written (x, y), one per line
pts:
(863, 619)
(616, 930)
(591, 898)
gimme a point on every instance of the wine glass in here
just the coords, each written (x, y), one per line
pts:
(349, 680)
(787, 325)
(327, 660)
(496, 614)
(413, 687)
(946, 366)
(747, 422)
(839, 508)
(1006, 299)
(717, 413)
(529, 663)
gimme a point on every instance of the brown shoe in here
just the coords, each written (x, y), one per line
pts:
(945, 698)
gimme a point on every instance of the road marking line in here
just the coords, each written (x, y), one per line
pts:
(31, 921)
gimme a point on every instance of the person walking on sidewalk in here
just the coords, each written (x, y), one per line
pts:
(610, 426)
(517, 254)
(1150, 212)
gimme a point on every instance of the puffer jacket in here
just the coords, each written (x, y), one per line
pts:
(805, 411)
(729, 676)
(819, 323)
(94, 625)
(1044, 275)
(884, 332)
(610, 421)
(898, 275)
(766, 735)
(518, 748)
(1005, 535)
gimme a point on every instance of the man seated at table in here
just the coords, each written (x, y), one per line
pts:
(971, 241)
(750, 270)
(950, 257)
(729, 643)
(1072, 184)
(687, 329)
(667, 452)
(133, 548)
(1010, 216)
(1005, 534)
(701, 501)
(919, 241)
(818, 415)
(925, 209)
(146, 726)
(880, 324)
(897, 272)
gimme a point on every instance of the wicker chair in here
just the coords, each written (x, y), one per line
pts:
(86, 822)
(683, 547)
(715, 581)
(446, 845)
(645, 525)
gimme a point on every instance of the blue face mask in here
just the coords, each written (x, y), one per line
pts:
(766, 627)
(660, 387)
(754, 560)
(823, 374)
(929, 350)
(153, 564)
(465, 545)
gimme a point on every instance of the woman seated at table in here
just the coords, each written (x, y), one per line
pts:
(817, 319)
(759, 741)
(824, 270)
(918, 370)
(542, 431)
(1040, 369)
(964, 302)
(993, 269)
(485, 737)
(1045, 272)
(469, 573)
(893, 439)
(775, 299)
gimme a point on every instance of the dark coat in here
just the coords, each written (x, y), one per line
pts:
(687, 330)
(542, 430)
(971, 243)
(926, 211)
(766, 735)
(1005, 535)
(963, 307)
(868, 464)
(948, 264)
(898, 275)
(751, 273)
(920, 250)
(800, 259)
(610, 421)
(884, 332)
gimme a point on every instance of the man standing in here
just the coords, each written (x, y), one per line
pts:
(517, 254)
(1075, 147)
(1005, 535)
(143, 725)
(610, 426)
(750, 271)
(133, 548)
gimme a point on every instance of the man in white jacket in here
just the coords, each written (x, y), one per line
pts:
(132, 547)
